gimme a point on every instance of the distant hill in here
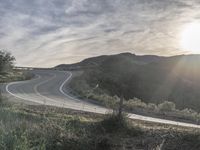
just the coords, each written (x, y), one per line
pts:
(97, 61)
(150, 78)
(87, 63)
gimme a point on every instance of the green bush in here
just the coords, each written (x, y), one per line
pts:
(106, 100)
(167, 106)
(6, 61)
(152, 107)
(80, 86)
(104, 143)
(113, 123)
(189, 113)
(135, 103)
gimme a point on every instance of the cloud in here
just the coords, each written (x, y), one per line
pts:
(49, 32)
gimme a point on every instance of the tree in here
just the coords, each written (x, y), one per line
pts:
(6, 61)
(167, 106)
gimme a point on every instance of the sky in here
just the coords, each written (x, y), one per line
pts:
(45, 33)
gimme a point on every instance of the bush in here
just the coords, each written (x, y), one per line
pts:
(152, 107)
(6, 61)
(135, 103)
(80, 86)
(106, 100)
(113, 123)
(167, 106)
(104, 143)
(189, 113)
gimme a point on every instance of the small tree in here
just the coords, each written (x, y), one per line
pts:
(167, 106)
(118, 88)
(6, 61)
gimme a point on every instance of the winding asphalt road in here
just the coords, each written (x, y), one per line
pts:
(48, 88)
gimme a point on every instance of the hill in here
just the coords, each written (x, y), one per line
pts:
(151, 78)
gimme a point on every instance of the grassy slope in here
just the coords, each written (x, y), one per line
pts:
(40, 127)
(151, 79)
(80, 88)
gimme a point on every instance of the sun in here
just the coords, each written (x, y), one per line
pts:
(190, 38)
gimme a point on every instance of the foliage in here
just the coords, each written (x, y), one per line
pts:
(113, 123)
(149, 78)
(167, 106)
(23, 128)
(137, 105)
(15, 75)
(152, 107)
(106, 100)
(6, 61)
(26, 127)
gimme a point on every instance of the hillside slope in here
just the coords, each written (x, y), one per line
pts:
(150, 78)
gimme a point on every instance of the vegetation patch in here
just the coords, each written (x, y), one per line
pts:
(44, 127)
(7, 71)
(152, 79)
(167, 109)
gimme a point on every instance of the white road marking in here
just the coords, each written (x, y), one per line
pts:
(47, 100)
(100, 110)
(135, 116)
(17, 96)
(62, 86)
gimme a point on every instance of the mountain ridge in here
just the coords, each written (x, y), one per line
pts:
(151, 78)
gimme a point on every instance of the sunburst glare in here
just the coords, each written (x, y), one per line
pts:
(190, 38)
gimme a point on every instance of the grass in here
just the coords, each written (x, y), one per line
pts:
(167, 110)
(25, 127)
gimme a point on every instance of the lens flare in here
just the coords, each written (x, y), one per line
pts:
(190, 38)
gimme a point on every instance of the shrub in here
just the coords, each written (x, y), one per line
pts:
(80, 86)
(104, 143)
(190, 113)
(152, 106)
(135, 103)
(167, 106)
(105, 99)
(113, 123)
(6, 61)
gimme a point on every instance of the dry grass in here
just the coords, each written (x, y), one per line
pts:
(40, 127)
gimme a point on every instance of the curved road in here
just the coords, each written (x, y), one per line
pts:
(48, 88)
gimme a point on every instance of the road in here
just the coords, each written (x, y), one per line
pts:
(48, 88)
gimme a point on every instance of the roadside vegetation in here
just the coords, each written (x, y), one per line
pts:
(166, 109)
(152, 79)
(15, 75)
(48, 128)
(40, 127)
(8, 72)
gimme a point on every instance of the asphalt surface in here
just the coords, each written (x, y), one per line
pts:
(48, 88)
